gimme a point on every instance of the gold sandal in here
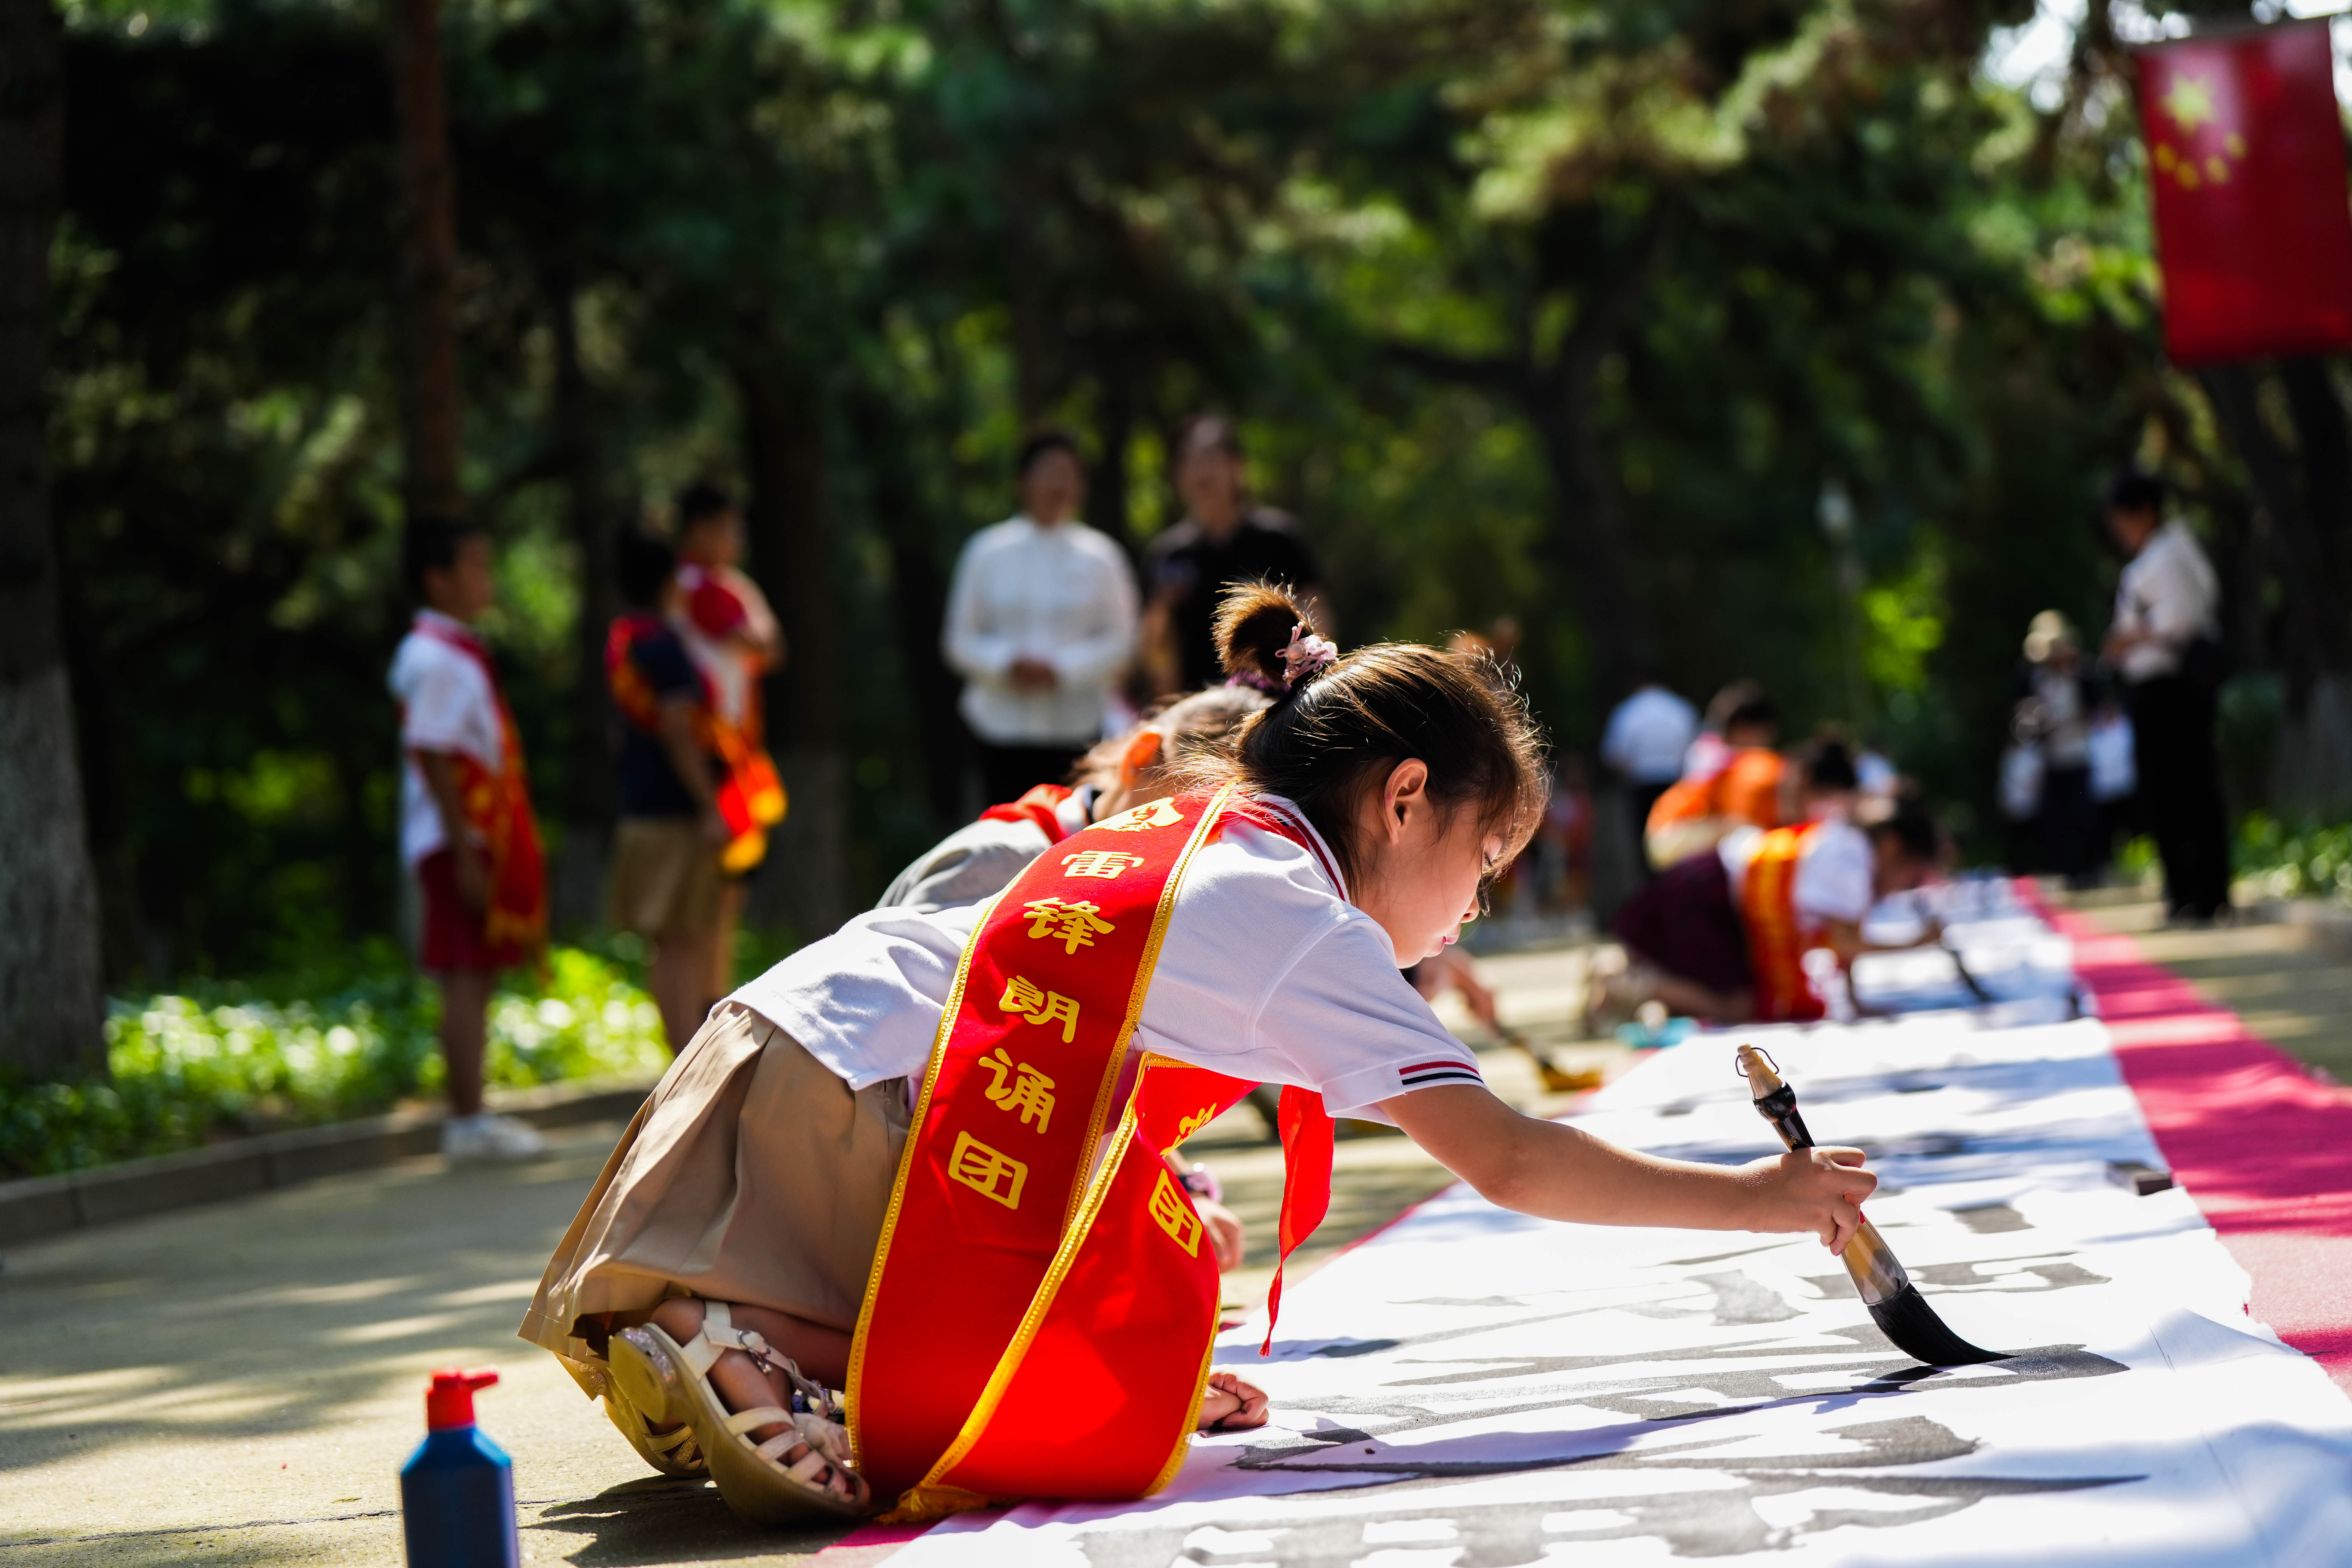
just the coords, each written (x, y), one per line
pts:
(666, 1381)
(673, 1453)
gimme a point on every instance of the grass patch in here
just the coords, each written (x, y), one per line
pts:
(217, 1059)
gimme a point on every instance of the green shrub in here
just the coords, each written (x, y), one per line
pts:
(217, 1060)
(2311, 860)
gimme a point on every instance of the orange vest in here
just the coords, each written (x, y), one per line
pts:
(1041, 1312)
(1695, 812)
(497, 806)
(1776, 938)
(751, 797)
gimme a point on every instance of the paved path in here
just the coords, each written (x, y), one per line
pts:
(239, 1383)
(2288, 982)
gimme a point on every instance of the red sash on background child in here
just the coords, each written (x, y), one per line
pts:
(1776, 939)
(751, 797)
(1035, 1326)
(497, 806)
(1036, 806)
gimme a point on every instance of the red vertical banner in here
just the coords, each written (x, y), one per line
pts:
(2245, 155)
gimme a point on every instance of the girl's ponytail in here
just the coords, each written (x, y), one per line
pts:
(1265, 640)
(1336, 727)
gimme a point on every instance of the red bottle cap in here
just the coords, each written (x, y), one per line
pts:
(449, 1402)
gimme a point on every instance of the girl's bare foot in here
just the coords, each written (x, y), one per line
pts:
(742, 1385)
(1229, 1405)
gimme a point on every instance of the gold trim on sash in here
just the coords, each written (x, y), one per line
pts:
(898, 1184)
(928, 1497)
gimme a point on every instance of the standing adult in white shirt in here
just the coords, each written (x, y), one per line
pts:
(2163, 643)
(1041, 619)
(1646, 741)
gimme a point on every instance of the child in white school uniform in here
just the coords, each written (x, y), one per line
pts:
(779, 1220)
(466, 833)
(978, 859)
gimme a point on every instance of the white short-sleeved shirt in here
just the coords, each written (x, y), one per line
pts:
(445, 705)
(2169, 591)
(1834, 877)
(980, 860)
(1266, 974)
(1649, 735)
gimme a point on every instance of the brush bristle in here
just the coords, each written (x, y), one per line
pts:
(1908, 1320)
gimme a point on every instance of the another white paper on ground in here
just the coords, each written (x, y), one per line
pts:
(1473, 1389)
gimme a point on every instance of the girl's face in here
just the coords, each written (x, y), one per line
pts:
(1419, 866)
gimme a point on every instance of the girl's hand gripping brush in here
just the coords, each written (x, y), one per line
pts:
(1895, 1305)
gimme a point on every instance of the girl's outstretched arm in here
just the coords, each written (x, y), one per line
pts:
(1552, 1171)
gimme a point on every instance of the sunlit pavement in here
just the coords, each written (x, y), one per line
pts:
(239, 1383)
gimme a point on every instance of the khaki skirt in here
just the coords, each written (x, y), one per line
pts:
(752, 1174)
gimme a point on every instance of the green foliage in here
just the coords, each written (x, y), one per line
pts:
(220, 1060)
(1489, 284)
(2302, 860)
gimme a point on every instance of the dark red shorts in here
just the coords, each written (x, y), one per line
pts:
(1683, 921)
(454, 935)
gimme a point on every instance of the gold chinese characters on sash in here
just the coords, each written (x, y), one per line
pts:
(1038, 1321)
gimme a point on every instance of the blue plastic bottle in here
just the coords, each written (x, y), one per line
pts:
(456, 1491)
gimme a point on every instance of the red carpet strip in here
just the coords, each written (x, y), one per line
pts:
(2264, 1149)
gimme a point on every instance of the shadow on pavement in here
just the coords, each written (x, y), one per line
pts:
(656, 1520)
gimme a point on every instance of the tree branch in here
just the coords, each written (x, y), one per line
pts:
(1514, 378)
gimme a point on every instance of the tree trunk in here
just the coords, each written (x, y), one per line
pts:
(429, 270)
(1593, 544)
(1037, 340)
(2326, 452)
(806, 882)
(2315, 609)
(2314, 774)
(51, 1003)
(1110, 507)
(591, 792)
(919, 594)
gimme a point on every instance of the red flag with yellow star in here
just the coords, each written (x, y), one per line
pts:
(2246, 160)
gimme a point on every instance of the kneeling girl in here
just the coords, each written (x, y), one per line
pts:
(920, 1157)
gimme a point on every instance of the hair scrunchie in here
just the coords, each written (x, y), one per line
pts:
(1306, 657)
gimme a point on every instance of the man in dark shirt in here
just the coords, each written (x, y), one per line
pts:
(667, 880)
(1223, 539)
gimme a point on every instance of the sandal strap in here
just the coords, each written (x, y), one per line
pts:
(719, 1336)
(743, 1421)
(810, 1469)
(820, 1428)
(668, 1442)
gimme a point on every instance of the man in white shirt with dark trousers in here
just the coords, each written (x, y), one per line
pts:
(1041, 617)
(1646, 739)
(2165, 645)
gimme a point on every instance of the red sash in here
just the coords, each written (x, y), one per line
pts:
(496, 807)
(1776, 939)
(1035, 806)
(1039, 1321)
(751, 797)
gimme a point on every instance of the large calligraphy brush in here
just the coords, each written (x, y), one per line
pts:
(1895, 1305)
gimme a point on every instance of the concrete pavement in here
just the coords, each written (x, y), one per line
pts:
(240, 1383)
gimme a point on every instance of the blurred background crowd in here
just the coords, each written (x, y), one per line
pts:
(1665, 349)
